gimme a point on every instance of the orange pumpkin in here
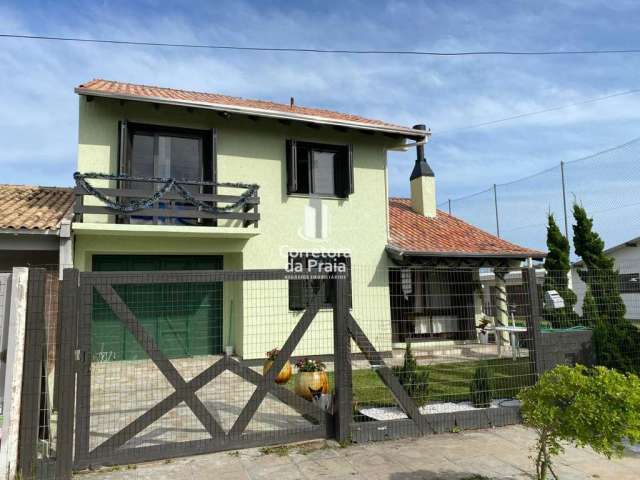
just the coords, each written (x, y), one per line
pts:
(283, 376)
(311, 381)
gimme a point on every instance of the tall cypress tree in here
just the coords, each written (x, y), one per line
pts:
(599, 275)
(557, 268)
(616, 341)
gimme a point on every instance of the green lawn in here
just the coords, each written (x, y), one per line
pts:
(447, 382)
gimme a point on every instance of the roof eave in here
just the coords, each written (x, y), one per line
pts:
(30, 231)
(512, 256)
(406, 132)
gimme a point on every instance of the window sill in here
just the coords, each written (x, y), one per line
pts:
(321, 197)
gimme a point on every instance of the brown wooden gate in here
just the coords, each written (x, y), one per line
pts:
(81, 290)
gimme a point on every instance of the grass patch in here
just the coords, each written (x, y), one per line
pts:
(448, 382)
(278, 450)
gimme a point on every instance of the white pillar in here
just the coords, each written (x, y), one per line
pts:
(502, 308)
(13, 379)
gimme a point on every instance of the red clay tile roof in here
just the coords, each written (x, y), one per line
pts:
(212, 100)
(445, 234)
(33, 208)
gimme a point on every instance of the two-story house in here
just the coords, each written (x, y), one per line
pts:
(260, 185)
(293, 163)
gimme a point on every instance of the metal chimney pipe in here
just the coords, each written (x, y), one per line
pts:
(420, 148)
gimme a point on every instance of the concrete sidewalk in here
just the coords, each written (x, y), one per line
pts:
(501, 453)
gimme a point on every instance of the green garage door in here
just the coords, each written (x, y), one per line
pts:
(184, 318)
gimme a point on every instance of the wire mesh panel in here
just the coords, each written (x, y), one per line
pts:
(177, 363)
(606, 185)
(37, 446)
(478, 209)
(523, 206)
(461, 350)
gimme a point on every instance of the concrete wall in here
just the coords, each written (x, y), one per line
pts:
(565, 348)
(254, 152)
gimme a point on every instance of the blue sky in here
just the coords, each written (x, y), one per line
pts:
(39, 116)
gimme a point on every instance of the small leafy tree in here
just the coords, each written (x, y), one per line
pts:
(414, 379)
(587, 407)
(481, 387)
(615, 339)
(557, 267)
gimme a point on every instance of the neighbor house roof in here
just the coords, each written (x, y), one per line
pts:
(445, 235)
(109, 88)
(23, 207)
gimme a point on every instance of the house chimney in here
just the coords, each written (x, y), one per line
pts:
(423, 183)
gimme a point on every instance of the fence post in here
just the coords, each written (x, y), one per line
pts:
(65, 364)
(495, 204)
(533, 319)
(342, 411)
(564, 200)
(30, 404)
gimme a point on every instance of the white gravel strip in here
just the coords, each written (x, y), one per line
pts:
(394, 413)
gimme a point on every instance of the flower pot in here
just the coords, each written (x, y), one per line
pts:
(283, 376)
(306, 382)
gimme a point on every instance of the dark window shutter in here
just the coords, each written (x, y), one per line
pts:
(298, 291)
(347, 260)
(343, 172)
(123, 151)
(292, 166)
(350, 170)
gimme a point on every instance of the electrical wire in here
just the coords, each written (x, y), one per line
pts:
(539, 112)
(324, 50)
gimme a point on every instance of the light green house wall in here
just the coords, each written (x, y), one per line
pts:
(254, 152)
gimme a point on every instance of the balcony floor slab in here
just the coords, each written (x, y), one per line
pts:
(82, 228)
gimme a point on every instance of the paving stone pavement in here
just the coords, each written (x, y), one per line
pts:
(497, 454)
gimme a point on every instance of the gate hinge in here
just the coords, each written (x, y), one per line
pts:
(81, 355)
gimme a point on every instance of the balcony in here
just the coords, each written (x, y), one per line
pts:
(164, 205)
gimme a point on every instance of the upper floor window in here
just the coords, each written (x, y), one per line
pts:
(153, 151)
(321, 169)
(166, 152)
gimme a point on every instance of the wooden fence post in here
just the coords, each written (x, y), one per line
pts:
(65, 366)
(533, 320)
(30, 404)
(342, 410)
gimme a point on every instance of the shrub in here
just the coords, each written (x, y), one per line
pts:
(588, 407)
(414, 379)
(481, 387)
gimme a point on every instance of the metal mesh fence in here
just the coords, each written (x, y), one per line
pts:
(461, 343)
(606, 184)
(165, 364)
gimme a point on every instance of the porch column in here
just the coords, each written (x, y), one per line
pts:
(478, 298)
(501, 307)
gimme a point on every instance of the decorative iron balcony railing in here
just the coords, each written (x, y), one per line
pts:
(163, 201)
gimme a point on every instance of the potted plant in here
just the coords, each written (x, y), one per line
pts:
(285, 373)
(483, 333)
(311, 378)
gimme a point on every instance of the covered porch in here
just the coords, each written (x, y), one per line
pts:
(450, 288)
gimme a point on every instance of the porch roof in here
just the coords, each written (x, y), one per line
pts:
(445, 236)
